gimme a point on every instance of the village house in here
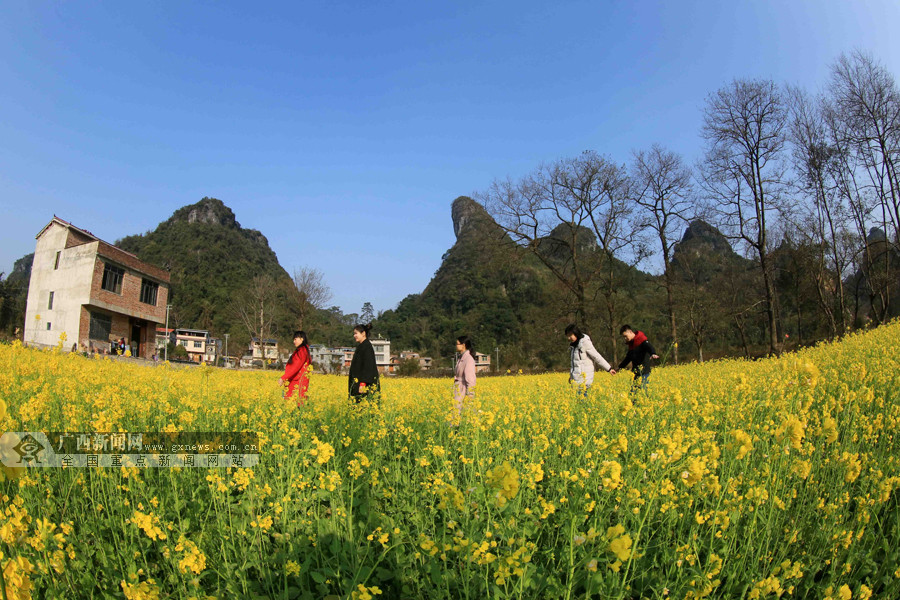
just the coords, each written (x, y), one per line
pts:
(327, 360)
(213, 350)
(382, 349)
(163, 337)
(347, 352)
(93, 292)
(195, 341)
(382, 355)
(248, 362)
(425, 362)
(268, 350)
(482, 362)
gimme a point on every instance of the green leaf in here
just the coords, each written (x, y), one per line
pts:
(293, 592)
(436, 574)
(364, 574)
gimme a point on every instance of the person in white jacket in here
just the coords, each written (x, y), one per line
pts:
(584, 355)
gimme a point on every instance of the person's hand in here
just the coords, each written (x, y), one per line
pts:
(655, 357)
(362, 387)
(612, 371)
(281, 382)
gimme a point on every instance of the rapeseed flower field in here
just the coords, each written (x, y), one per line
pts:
(770, 479)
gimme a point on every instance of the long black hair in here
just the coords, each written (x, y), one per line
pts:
(301, 334)
(363, 328)
(467, 342)
(305, 344)
(574, 330)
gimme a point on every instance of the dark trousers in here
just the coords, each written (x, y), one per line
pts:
(639, 383)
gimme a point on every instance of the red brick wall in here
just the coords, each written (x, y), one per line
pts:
(76, 238)
(121, 328)
(84, 327)
(126, 259)
(130, 298)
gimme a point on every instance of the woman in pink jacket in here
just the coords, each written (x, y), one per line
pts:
(464, 381)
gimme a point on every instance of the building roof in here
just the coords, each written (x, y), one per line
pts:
(110, 251)
(68, 225)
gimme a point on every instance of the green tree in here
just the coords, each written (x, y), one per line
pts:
(177, 352)
(408, 367)
(368, 313)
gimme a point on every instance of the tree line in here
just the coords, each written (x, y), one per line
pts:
(805, 186)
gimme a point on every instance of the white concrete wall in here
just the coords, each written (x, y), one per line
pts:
(382, 352)
(71, 284)
(271, 351)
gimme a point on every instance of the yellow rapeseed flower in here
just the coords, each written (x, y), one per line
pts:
(504, 480)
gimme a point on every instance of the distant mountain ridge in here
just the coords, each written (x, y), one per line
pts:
(483, 287)
(210, 257)
(498, 293)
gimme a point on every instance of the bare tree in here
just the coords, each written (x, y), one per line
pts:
(865, 109)
(846, 172)
(572, 215)
(744, 127)
(825, 220)
(662, 188)
(699, 307)
(739, 306)
(867, 99)
(621, 245)
(537, 216)
(313, 292)
(258, 307)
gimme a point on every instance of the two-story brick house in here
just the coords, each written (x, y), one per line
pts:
(93, 292)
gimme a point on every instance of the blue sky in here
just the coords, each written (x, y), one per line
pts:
(343, 131)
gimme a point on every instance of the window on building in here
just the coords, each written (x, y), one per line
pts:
(198, 344)
(50, 302)
(148, 291)
(100, 326)
(56, 264)
(112, 279)
(48, 325)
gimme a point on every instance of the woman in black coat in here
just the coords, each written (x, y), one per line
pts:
(363, 368)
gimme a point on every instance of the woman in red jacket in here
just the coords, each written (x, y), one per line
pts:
(296, 372)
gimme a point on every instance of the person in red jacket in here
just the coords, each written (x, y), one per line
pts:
(639, 354)
(296, 371)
